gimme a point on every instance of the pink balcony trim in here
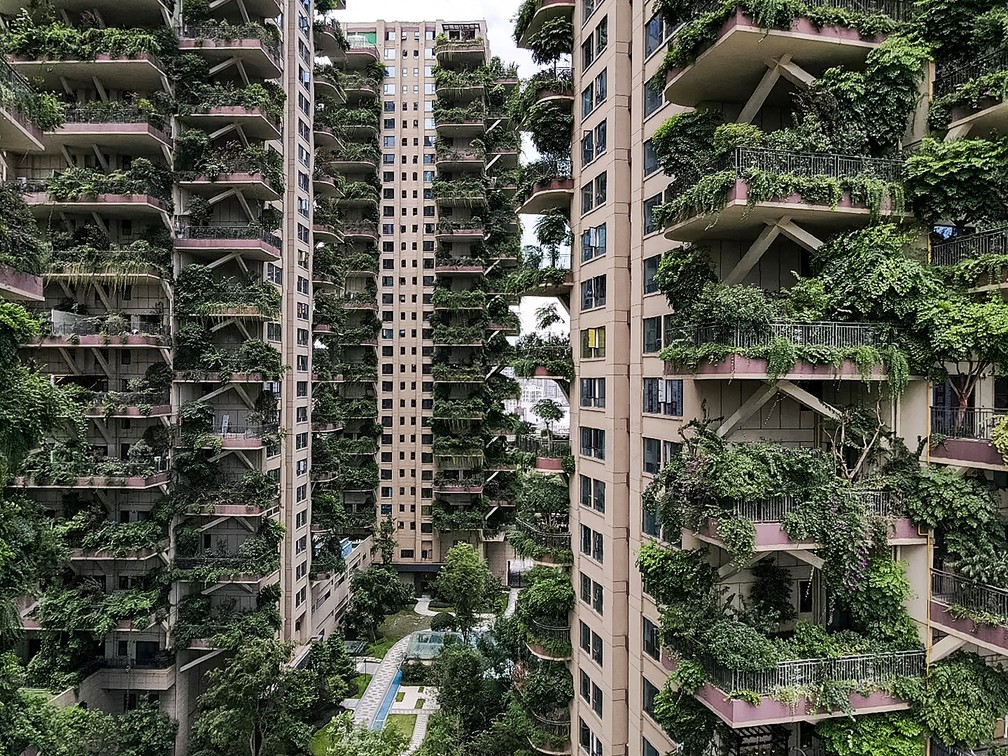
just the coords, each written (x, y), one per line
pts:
(989, 635)
(972, 453)
(20, 285)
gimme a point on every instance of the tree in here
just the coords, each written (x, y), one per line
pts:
(547, 316)
(465, 690)
(384, 540)
(375, 593)
(466, 583)
(334, 670)
(256, 704)
(346, 739)
(549, 412)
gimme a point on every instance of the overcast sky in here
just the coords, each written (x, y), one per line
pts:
(498, 15)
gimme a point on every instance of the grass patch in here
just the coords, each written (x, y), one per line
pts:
(419, 703)
(404, 723)
(362, 683)
(321, 741)
(399, 696)
(395, 627)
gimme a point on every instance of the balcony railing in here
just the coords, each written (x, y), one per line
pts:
(860, 669)
(949, 588)
(545, 538)
(894, 9)
(937, 749)
(776, 508)
(232, 431)
(71, 324)
(970, 246)
(160, 661)
(949, 80)
(822, 334)
(227, 32)
(541, 447)
(556, 728)
(975, 423)
(229, 231)
(559, 634)
(743, 160)
(85, 114)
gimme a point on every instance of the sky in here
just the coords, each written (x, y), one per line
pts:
(498, 15)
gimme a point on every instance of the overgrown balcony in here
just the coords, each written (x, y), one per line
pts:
(250, 241)
(67, 465)
(456, 300)
(121, 58)
(459, 373)
(866, 679)
(362, 477)
(549, 357)
(203, 624)
(746, 188)
(255, 560)
(552, 454)
(452, 517)
(197, 359)
(357, 125)
(467, 122)
(198, 293)
(143, 190)
(467, 192)
(459, 335)
(250, 495)
(970, 610)
(972, 257)
(545, 184)
(455, 410)
(363, 54)
(826, 351)
(327, 81)
(359, 194)
(361, 230)
(964, 102)
(359, 89)
(470, 482)
(720, 51)
(543, 610)
(60, 329)
(257, 108)
(452, 158)
(125, 404)
(255, 47)
(256, 171)
(140, 129)
(331, 514)
(92, 537)
(23, 112)
(964, 436)
(462, 86)
(453, 50)
(330, 40)
(537, 20)
(550, 85)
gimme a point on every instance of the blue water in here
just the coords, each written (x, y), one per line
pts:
(383, 711)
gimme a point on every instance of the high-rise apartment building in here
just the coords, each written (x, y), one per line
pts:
(447, 236)
(190, 165)
(740, 473)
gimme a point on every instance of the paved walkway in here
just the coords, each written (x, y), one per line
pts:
(419, 731)
(423, 607)
(512, 602)
(381, 681)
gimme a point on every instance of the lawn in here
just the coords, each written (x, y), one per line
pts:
(320, 741)
(362, 683)
(404, 723)
(394, 627)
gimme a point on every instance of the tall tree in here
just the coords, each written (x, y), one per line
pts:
(346, 739)
(375, 593)
(466, 583)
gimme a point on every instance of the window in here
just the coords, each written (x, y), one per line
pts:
(591, 543)
(650, 159)
(591, 693)
(593, 243)
(650, 692)
(591, 643)
(592, 493)
(652, 639)
(654, 34)
(593, 442)
(600, 189)
(587, 101)
(590, 743)
(653, 98)
(601, 87)
(652, 333)
(663, 396)
(652, 455)
(593, 143)
(593, 293)
(587, 53)
(593, 392)
(602, 35)
(592, 343)
(648, 749)
(649, 210)
(650, 271)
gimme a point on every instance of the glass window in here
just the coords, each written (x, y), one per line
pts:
(652, 455)
(650, 159)
(602, 35)
(648, 749)
(593, 343)
(652, 639)
(652, 332)
(654, 34)
(601, 86)
(650, 271)
(650, 692)
(649, 207)
(587, 101)
(653, 98)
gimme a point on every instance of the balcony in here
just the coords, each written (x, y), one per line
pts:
(452, 160)
(987, 243)
(545, 10)
(459, 52)
(255, 122)
(769, 515)
(971, 611)
(550, 736)
(18, 286)
(358, 89)
(17, 132)
(462, 374)
(464, 299)
(67, 329)
(557, 88)
(253, 172)
(249, 46)
(459, 193)
(361, 230)
(730, 68)
(359, 194)
(741, 214)
(125, 404)
(221, 240)
(868, 673)
(549, 642)
(106, 473)
(142, 72)
(981, 113)
(82, 191)
(361, 53)
(451, 266)
(549, 452)
(460, 122)
(553, 548)
(137, 674)
(140, 132)
(138, 13)
(548, 185)
(212, 568)
(810, 337)
(330, 40)
(964, 436)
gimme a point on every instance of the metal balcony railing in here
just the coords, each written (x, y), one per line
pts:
(71, 324)
(949, 588)
(970, 246)
(84, 114)
(894, 9)
(776, 508)
(542, 447)
(557, 728)
(947, 80)
(245, 31)
(937, 749)
(975, 423)
(228, 231)
(860, 669)
(556, 633)
(821, 334)
(159, 661)
(545, 538)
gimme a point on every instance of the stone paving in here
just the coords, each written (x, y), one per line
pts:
(381, 681)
